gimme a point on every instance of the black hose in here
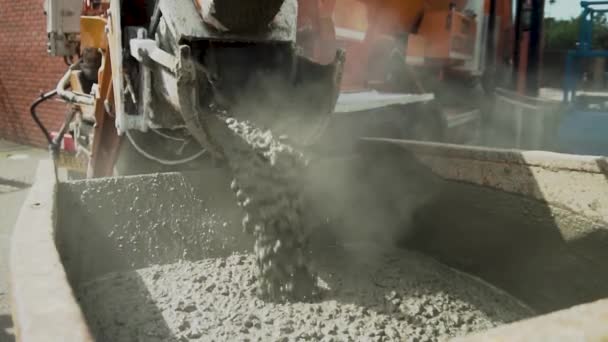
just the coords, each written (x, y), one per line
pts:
(156, 15)
(33, 107)
(64, 129)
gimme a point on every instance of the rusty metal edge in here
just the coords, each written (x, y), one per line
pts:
(42, 303)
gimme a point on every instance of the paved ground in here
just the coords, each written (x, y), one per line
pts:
(17, 169)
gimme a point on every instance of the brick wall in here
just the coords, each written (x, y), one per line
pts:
(25, 71)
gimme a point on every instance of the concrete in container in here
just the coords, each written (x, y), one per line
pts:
(530, 223)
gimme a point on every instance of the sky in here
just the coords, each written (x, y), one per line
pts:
(563, 9)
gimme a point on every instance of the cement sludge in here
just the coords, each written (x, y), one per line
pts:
(393, 296)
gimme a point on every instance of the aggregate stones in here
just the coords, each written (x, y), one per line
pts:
(288, 290)
(396, 295)
(267, 185)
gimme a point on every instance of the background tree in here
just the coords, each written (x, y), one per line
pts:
(563, 34)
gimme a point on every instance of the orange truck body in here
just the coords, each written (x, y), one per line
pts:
(440, 34)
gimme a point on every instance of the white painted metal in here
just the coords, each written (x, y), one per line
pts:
(365, 100)
(346, 33)
(62, 26)
(116, 56)
(477, 64)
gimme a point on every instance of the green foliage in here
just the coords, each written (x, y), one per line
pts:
(563, 34)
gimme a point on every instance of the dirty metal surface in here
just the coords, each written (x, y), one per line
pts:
(534, 223)
(186, 23)
(42, 303)
(365, 100)
(576, 183)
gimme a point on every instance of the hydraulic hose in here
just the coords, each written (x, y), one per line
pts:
(162, 161)
(71, 96)
(56, 143)
(33, 107)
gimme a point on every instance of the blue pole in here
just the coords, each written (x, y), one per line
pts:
(584, 48)
(568, 76)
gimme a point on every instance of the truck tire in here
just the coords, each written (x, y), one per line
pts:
(246, 16)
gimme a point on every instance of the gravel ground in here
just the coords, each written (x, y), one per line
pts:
(368, 296)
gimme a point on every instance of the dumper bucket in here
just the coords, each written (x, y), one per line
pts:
(530, 224)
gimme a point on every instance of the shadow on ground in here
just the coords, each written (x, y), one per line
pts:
(135, 316)
(6, 327)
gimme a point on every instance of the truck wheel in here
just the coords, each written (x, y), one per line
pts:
(250, 15)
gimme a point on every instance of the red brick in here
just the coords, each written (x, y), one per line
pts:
(25, 71)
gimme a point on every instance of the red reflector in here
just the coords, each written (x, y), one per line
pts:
(67, 144)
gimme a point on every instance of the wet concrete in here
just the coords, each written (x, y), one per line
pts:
(530, 222)
(190, 226)
(398, 295)
(121, 225)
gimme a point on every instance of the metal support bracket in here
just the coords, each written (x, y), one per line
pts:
(146, 50)
(188, 89)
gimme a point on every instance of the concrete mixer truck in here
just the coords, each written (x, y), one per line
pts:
(412, 70)
(149, 70)
(528, 225)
